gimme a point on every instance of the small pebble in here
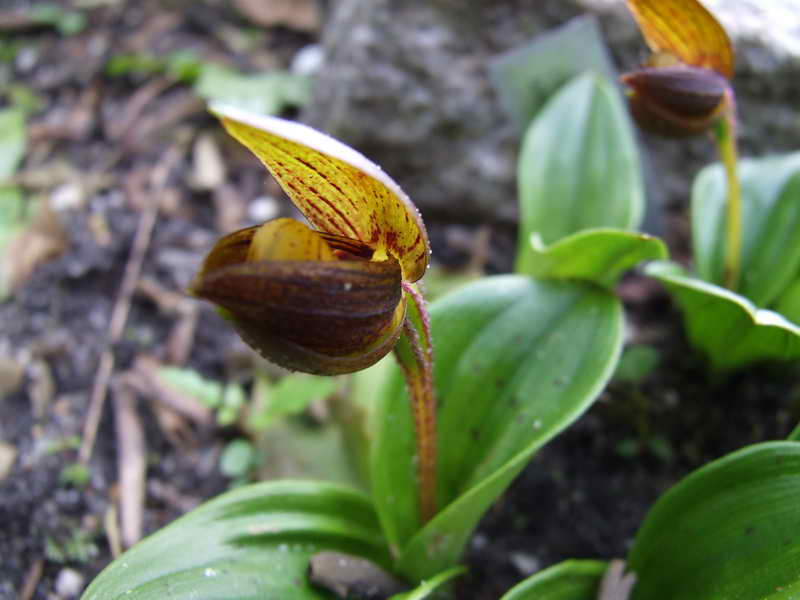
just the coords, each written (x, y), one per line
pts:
(308, 60)
(479, 541)
(69, 583)
(68, 196)
(526, 564)
(26, 58)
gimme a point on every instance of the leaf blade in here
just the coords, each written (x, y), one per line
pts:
(722, 532)
(594, 180)
(252, 542)
(431, 586)
(525, 77)
(727, 327)
(597, 255)
(771, 218)
(13, 141)
(508, 380)
(567, 580)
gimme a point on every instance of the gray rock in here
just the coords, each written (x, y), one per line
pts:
(408, 84)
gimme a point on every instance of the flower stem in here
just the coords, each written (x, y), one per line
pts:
(415, 356)
(725, 135)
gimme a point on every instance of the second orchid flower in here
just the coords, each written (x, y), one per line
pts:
(685, 89)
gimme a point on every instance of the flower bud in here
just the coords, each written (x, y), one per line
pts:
(306, 300)
(676, 101)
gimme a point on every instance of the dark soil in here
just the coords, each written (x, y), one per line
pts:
(583, 496)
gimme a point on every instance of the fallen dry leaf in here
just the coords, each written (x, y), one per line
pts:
(11, 374)
(111, 526)
(169, 302)
(181, 336)
(208, 168)
(170, 495)
(43, 240)
(148, 382)
(303, 15)
(41, 389)
(230, 208)
(15, 21)
(8, 454)
(175, 427)
(72, 123)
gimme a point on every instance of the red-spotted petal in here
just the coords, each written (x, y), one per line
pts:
(339, 190)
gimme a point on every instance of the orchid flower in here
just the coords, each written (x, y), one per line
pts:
(682, 90)
(326, 300)
(331, 298)
(685, 89)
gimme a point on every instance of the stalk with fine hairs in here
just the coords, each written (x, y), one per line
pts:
(414, 353)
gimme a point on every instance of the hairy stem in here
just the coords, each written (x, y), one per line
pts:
(415, 356)
(725, 135)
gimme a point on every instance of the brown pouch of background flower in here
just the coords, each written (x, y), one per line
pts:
(685, 86)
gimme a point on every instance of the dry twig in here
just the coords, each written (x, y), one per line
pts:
(179, 342)
(121, 125)
(131, 464)
(119, 314)
(32, 578)
(145, 379)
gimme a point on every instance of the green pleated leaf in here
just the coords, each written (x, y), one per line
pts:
(516, 361)
(578, 166)
(727, 327)
(770, 218)
(266, 93)
(568, 580)
(526, 76)
(251, 543)
(597, 255)
(728, 531)
(357, 415)
(13, 214)
(788, 303)
(12, 141)
(432, 587)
